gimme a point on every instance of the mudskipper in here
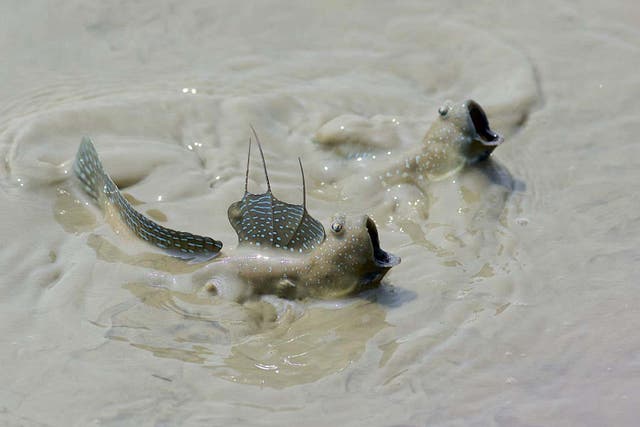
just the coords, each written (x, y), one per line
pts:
(281, 248)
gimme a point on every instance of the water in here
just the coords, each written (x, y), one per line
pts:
(516, 302)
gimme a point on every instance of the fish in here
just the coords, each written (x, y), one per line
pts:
(281, 250)
(459, 137)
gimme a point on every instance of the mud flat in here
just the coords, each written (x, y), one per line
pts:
(516, 301)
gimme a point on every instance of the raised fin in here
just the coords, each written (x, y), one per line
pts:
(264, 164)
(264, 220)
(88, 168)
(246, 175)
(100, 186)
(304, 186)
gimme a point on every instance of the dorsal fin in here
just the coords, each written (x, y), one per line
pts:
(264, 164)
(264, 220)
(246, 175)
(304, 187)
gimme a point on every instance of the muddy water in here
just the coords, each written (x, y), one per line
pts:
(516, 302)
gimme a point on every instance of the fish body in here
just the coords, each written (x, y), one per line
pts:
(281, 249)
(347, 262)
(460, 136)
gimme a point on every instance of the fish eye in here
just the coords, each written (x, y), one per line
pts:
(336, 227)
(443, 110)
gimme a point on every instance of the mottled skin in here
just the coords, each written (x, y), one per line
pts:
(460, 136)
(348, 261)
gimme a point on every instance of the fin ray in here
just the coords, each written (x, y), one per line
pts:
(263, 220)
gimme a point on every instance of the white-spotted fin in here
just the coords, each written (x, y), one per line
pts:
(96, 182)
(263, 220)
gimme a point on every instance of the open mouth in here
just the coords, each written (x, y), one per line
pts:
(381, 258)
(481, 124)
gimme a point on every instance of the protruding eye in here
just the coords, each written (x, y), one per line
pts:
(336, 227)
(443, 110)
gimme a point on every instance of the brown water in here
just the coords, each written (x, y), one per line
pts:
(517, 299)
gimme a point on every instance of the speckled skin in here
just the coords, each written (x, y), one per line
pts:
(347, 260)
(460, 136)
(343, 264)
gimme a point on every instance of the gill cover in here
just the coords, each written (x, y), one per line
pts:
(263, 220)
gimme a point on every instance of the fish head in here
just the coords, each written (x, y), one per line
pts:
(350, 258)
(467, 127)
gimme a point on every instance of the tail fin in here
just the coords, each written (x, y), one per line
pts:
(88, 168)
(96, 182)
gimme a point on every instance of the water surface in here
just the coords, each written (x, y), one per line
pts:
(516, 302)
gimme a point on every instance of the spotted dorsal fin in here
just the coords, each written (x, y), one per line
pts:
(263, 220)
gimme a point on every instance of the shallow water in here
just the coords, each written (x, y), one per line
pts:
(516, 301)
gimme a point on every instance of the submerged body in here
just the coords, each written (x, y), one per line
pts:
(282, 250)
(348, 261)
(460, 136)
(401, 185)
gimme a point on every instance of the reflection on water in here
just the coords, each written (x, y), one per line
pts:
(109, 252)
(253, 343)
(418, 237)
(156, 215)
(319, 343)
(499, 174)
(71, 213)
